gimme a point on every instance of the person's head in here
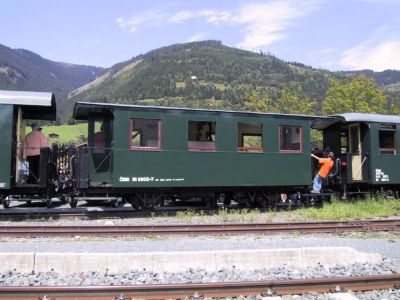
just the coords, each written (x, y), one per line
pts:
(331, 155)
(36, 126)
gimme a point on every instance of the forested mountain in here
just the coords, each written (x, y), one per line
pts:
(200, 74)
(24, 70)
(209, 74)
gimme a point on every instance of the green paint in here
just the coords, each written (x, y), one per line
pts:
(6, 126)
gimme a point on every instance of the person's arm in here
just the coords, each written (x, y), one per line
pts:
(44, 141)
(314, 156)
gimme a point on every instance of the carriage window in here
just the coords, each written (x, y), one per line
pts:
(344, 141)
(249, 137)
(290, 139)
(146, 134)
(99, 140)
(387, 142)
(99, 133)
(201, 135)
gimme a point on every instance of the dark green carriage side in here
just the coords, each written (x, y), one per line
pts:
(378, 150)
(384, 168)
(6, 129)
(174, 165)
(15, 108)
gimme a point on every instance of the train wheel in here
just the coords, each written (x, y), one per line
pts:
(49, 203)
(6, 203)
(115, 203)
(72, 202)
(63, 199)
(136, 203)
(389, 194)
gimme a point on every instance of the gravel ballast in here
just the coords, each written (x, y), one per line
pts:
(134, 277)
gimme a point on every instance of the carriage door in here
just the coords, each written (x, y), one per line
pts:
(100, 151)
(355, 150)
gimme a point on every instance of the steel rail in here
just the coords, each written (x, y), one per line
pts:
(204, 229)
(220, 289)
(21, 214)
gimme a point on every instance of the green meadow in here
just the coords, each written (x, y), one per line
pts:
(67, 133)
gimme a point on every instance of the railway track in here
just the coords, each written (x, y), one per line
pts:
(221, 289)
(201, 229)
(22, 214)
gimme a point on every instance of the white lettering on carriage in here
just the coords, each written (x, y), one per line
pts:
(153, 179)
(3, 184)
(381, 176)
(123, 179)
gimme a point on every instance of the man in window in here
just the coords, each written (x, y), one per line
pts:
(326, 166)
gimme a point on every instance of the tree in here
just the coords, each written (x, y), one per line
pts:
(257, 102)
(288, 103)
(294, 103)
(361, 94)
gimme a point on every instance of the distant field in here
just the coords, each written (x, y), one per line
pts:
(67, 133)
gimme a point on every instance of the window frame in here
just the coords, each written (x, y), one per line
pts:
(108, 132)
(394, 142)
(243, 134)
(142, 148)
(301, 139)
(201, 148)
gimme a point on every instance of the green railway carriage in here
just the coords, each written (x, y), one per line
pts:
(16, 108)
(147, 155)
(367, 145)
(149, 152)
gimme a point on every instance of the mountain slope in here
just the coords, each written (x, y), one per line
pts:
(24, 70)
(193, 74)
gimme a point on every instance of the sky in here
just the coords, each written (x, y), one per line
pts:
(328, 34)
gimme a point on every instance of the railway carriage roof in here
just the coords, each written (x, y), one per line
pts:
(356, 118)
(37, 105)
(82, 109)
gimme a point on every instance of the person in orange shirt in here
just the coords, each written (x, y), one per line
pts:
(32, 144)
(326, 166)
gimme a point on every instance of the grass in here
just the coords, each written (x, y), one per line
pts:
(180, 84)
(336, 210)
(67, 133)
(362, 209)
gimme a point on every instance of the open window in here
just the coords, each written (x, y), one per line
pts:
(387, 139)
(290, 140)
(99, 133)
(201, 135)
(344, 140)
(145, 134)
(250, 137)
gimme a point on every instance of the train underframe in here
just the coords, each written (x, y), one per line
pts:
(208, 197)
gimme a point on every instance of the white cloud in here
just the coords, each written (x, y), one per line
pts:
(181, 16)
(216, 17)
(375, 56)
(269, 22)
(197, 37)
(264, 22)
(211, 16)
(148, 17)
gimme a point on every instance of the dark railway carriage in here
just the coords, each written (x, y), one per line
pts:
(15, 109)
(150, 154)
(367, 145)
